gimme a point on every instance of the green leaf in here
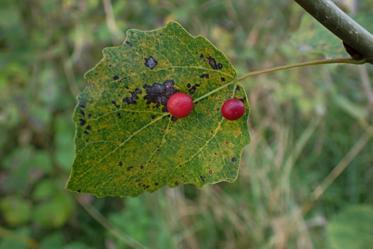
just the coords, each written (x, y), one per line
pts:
(351, 228)
(54, 212)
(15, 210)
(126, 145)
(64, 143)
(44, 190)
(17, 239)
(54, 240)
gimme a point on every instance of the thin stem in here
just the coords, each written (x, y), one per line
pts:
(337, 171)
(367, 86)
(281, 68)
(302, 64)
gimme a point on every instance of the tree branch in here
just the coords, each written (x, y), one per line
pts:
(350, 32)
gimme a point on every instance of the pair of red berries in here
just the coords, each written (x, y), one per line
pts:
(180, 105)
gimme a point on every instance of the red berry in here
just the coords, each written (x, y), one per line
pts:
(180, 105)
(233, 109)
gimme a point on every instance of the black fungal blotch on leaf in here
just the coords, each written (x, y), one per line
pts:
(192, 88)
(158, 93)
(214, 64)
(150, 62)
(132, 99)
(128, 144)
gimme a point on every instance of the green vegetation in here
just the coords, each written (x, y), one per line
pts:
(307, 172)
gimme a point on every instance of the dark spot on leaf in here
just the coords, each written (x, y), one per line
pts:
(82, 102)
(115, 103)
(129, 43)
(86, 132)
(222, 79)
(129, 100)
(234, 159)
(192, 89)
(201, 56)
(162, 100)
(119, 115)
(158, 93)
(156, 184)
(120, 163)
(115, 77)
(204, 75)
(150, 62)
(169, 83)
(89, 115)
(142, 167)
(152, 116)
(176, 183)
(82, 105)
(79, 190)
(133, 97)
(203, 178)
(81, 122)
(137, 90)
(189, 85)
(88, 127)
(213, 64)
(129, 168)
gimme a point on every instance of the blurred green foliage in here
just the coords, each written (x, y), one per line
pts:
(304, 123)
(352, 228)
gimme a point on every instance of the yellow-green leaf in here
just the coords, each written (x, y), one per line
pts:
(126, 141)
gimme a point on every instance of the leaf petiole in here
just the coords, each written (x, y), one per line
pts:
(281, 68)
(302, 64)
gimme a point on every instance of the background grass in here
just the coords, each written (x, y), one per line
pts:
(308, 126)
